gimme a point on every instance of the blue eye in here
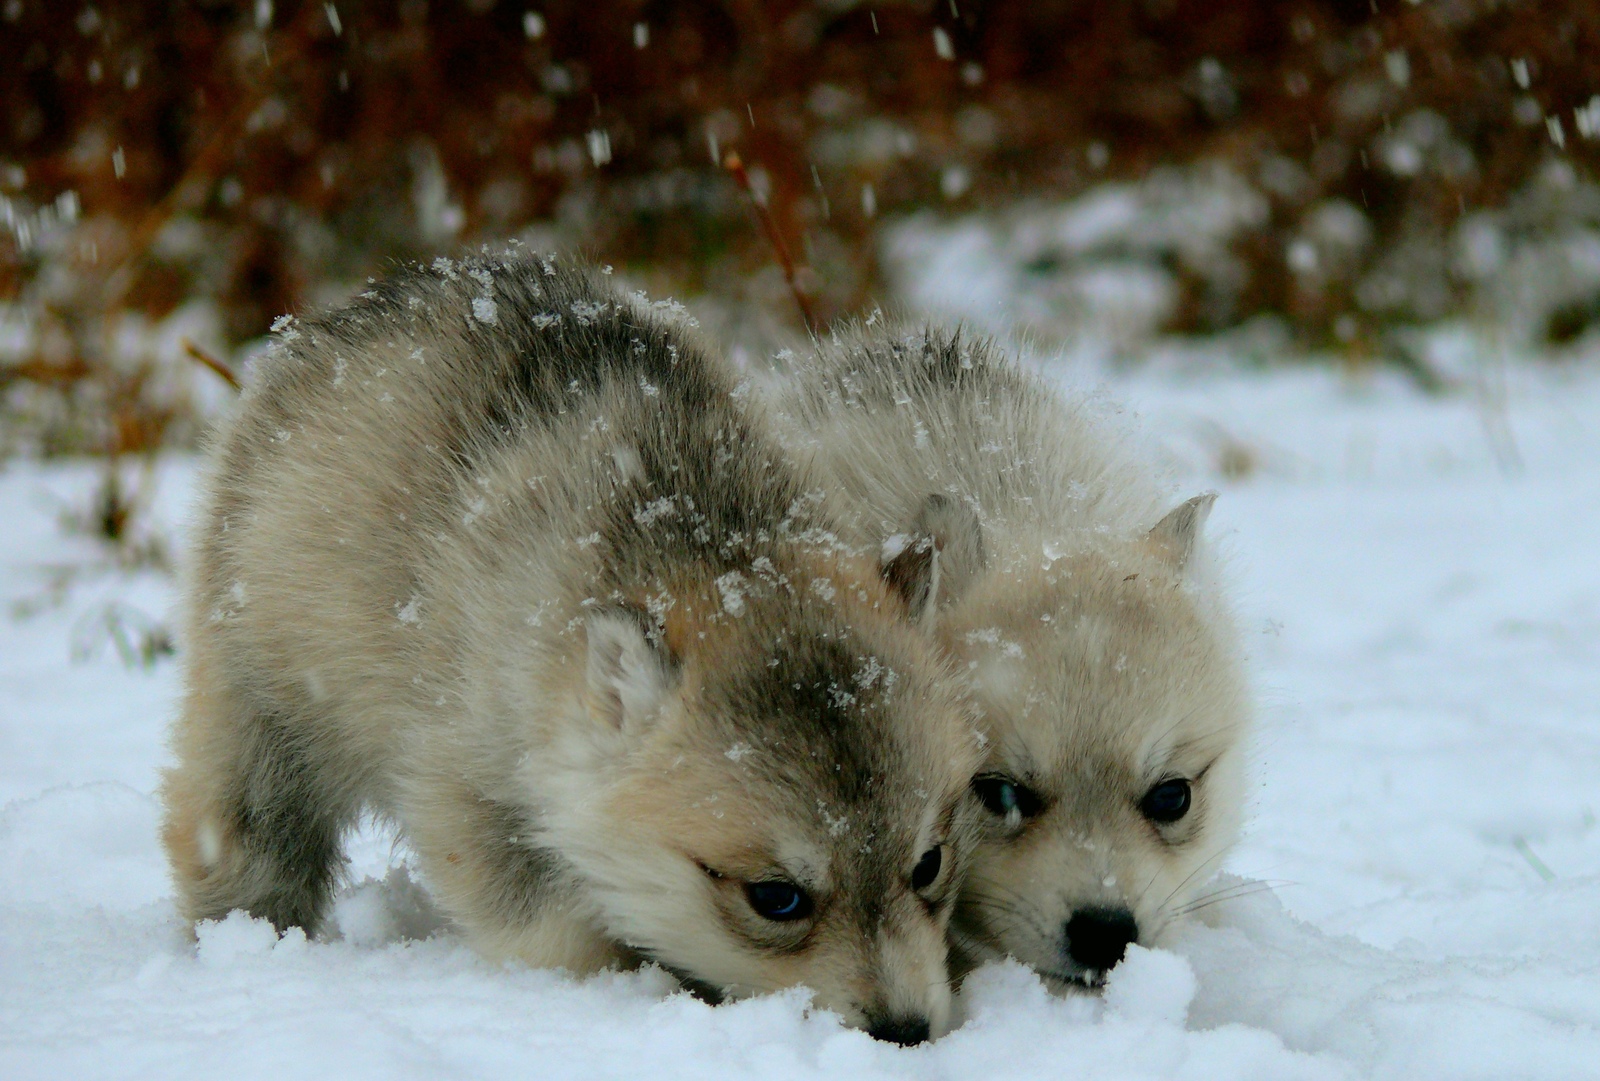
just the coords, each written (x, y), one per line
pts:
(778, 901)
(1166, 802)
(1001, 795)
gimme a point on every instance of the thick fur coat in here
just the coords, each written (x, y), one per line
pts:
(506, 557)
(1076, 600)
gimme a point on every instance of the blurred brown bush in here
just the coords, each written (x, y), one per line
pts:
(263, 155)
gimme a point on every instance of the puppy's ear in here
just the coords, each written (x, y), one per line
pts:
(935, 560)
(1175, 536)
(631, 672)
(910, 565)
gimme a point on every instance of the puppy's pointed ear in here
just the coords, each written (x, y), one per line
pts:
(910, 566)
(935, 560)
(630, 670)
(1175, 536)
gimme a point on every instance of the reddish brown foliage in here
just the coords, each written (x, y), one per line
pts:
(303, 149)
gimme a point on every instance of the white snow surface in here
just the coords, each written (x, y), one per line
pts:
(1417, 895)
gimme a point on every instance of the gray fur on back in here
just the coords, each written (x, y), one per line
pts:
(893, 415)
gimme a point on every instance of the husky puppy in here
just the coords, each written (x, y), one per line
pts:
(1099, 651)
(505, 556)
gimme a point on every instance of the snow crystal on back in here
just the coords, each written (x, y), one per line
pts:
(655, 510)
(732, 587)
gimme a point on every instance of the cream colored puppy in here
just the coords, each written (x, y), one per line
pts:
(1072, 594)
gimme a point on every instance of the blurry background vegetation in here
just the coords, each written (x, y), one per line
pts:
(1317, 177)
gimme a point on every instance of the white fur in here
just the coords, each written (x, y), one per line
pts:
(1092, 626)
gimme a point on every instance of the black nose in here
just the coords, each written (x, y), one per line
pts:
(907, 1031)
(1098, 937)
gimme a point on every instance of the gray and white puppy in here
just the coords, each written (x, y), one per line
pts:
(1100, 652)
(501, 554)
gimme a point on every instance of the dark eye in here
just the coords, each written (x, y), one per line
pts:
(926, 872)
(779, 901)
(1001, 795)
(1166, 802)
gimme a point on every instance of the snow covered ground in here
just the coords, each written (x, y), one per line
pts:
(1420, 582)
